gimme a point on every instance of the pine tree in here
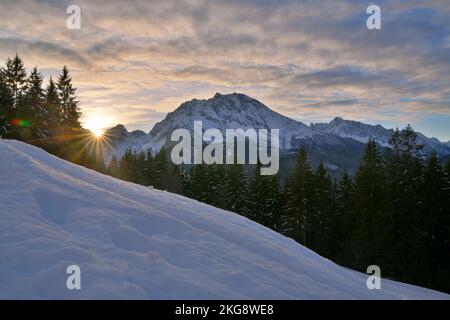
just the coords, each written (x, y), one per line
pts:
(140, 164)
(404, 203)
(235, 188)
(148, 172)
(113, 167)
(127, 166)
(320, 215)
(69, 104)
(6, 107)
(368, 238)
(294, 221)
(435, 223)
(166, 175)
(54, 112)
(16, 78)
(200, 184)
(344, 219)
(160, 166)
(265, 198)
(36, 112)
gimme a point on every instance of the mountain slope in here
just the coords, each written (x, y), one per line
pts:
(361, 132)
(132, 241)
(230, 111)
(327, 141)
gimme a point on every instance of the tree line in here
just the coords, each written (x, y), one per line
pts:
(47, 116)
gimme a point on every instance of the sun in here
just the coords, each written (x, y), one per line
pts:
(97, 123)
(98, 133)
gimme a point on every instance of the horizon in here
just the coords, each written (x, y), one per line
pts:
(311, 62)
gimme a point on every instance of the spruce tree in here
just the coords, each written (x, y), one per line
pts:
(54, 112)
(6, 107)
(160, 167)
(235, 188)
(200, 184)
(344, 219)
(36, 111)
(404, 205)
(320, 215)
(16, 78)
(69, 103)
(148, 172)
(435, 224)
(166, 175)
(367, 248)
(265, 200)
(113, 167)
(127, 166)
(294, 221)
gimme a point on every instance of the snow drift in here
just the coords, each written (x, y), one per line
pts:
(132, 241)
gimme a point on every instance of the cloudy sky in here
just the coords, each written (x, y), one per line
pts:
(133, 61)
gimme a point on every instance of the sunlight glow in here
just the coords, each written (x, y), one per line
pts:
(97, 123)
(97, 132)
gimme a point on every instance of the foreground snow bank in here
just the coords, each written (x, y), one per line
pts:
(132, 241)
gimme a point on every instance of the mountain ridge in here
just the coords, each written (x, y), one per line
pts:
(238, 110)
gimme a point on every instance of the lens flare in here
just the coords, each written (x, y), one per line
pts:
(20, 123)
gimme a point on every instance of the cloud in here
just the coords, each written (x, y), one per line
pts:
(310, 60)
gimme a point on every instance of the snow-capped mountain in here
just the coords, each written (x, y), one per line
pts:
(354, 130)
(338, 143)
(134, 242)
(230, 111)
(362, 132)
(120, 139)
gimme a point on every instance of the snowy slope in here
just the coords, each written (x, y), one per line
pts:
(135, 242)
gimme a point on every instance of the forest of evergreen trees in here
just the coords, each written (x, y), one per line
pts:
(393, 213)
(45, 116)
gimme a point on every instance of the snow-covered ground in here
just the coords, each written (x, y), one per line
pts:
(132, 241)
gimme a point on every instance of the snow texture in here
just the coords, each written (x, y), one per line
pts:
(132, 241)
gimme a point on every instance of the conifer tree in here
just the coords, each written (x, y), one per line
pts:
(160, 166)
(294, 222)
(6, 107)
(16, 78)
(404, 205)
(113, 167)
(69, 104)
(166, 175)
(126, 166)
(370, 209)
(265, 200)
(36, 112)
(54, 112)
(344, 219)
(436, 226)
(201, 184)
(236, 189)
(320, 215)
(149, 169)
